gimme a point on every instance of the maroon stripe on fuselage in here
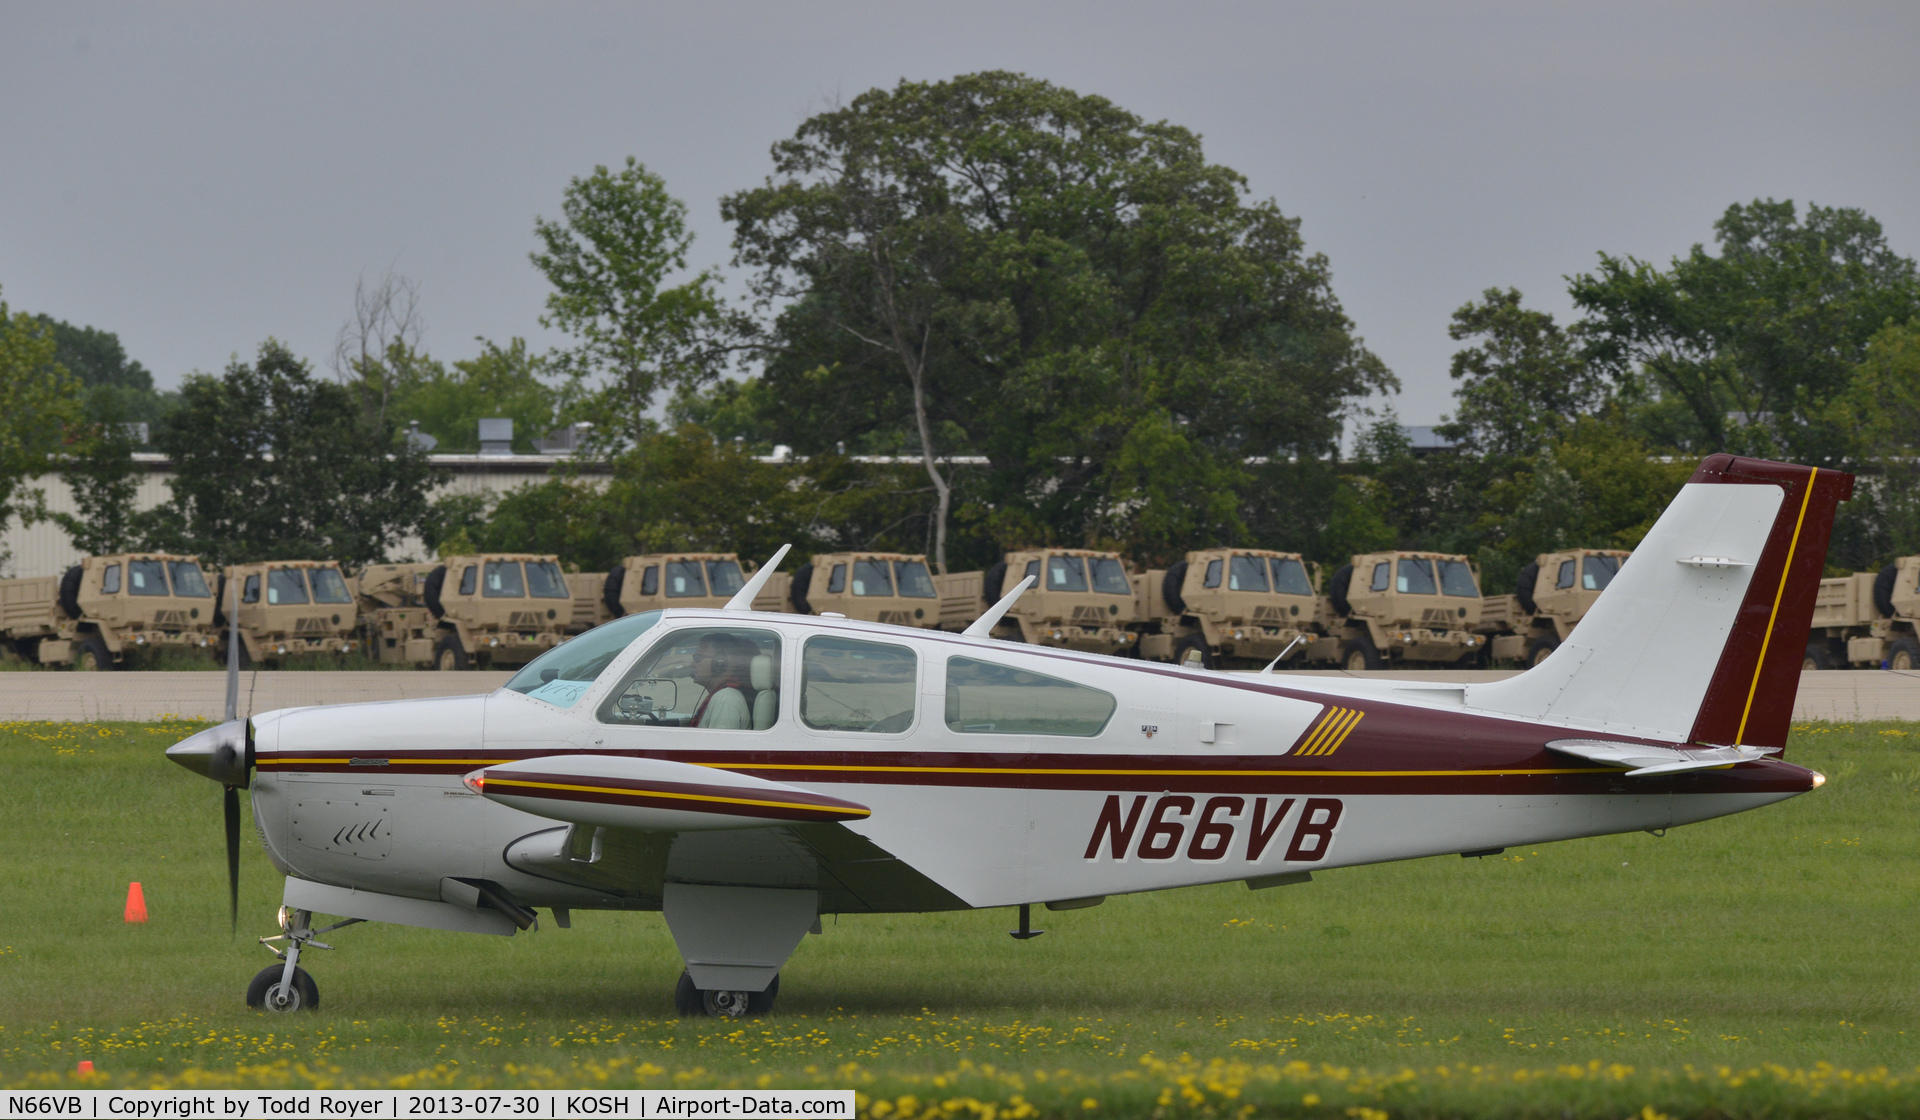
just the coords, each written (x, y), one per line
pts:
(798, 805)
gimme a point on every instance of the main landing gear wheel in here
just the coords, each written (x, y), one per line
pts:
(269, 992)
(693, 1002)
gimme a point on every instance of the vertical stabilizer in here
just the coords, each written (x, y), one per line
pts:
(1700, 637)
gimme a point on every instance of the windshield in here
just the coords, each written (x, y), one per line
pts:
(915, 581)
(503, 580)
(1416, 577)
(684, 580)
(284, 586)
(1290, 577)
(329, 586)
(147, 577)
(545, 581)
(1065, 573)
(870, 578)
(563, 674)
(1109, 576)
(1598, 571)
(1456, 579)
(1247, 573)
(187, 580)
(724, 577)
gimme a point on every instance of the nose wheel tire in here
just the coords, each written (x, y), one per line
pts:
(692, 1002)
(268, 993)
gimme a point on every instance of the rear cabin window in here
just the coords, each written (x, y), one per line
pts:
(724, 577)
(650, 580)
(684, 580)
(188, 582)
(1066, 573)
(1290, 577)
(914, 579)
(147, 577)
(1247, 573)
(110, 580)
(1109, 576)
(285, 587)
(851, 685)
(837, 580)
(469, 580)
(1416, 577)
(1598, 571)
(329, 586)
(545, 581)
(870, 577)
(1381, 574)
(984, 698)
(1456, 579)
(503, 580)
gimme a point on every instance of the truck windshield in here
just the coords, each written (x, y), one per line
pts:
(684, 580)
(724, 577)
(329, 586)
(284, 586)
(147, 577)
(1065, 573)
(1598, 571)
(563, 674)
(1290, 577)
(915, 581)
(1109, 576)
(1457, 579)
(870, 578)
(1247, 573)
(1416, 577)
(503, 580)
(545, 581)
(188, 583)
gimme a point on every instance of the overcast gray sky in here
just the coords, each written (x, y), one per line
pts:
(198, 177)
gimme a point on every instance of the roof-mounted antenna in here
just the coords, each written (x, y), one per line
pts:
(1275, 663)
(743, 599)
(983, 626)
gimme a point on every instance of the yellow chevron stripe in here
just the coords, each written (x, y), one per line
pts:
(705, 798)
(1337, 729)
(1319, 732)
(1346, 729)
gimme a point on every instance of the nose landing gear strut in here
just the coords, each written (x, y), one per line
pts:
(286, 986)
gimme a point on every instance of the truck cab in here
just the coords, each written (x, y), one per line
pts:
(496, 608)
(290, 608)
(1081, 599)
(1550, 598)
(1406, 608)
(891, 587)
(1225, 605)
(674, 579)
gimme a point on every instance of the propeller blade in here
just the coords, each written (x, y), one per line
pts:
(231, 803)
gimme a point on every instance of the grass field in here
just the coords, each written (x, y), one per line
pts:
(1759, 965)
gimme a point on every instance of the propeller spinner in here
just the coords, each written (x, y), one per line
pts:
(225, 755)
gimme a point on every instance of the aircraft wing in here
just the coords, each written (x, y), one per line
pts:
(653, 795)
(1643, 760)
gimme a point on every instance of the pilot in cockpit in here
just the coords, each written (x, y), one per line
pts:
(722, 665)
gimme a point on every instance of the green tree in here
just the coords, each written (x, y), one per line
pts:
(449, 403)
(998, 267)
(117, 389)
(1757, 341)
(271, 463)
(1522, 382)
(39, 403)
(609, 260)
(98, 468)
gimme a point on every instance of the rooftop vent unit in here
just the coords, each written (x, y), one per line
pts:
(496, 436)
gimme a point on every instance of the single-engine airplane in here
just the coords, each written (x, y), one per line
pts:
(746, 773)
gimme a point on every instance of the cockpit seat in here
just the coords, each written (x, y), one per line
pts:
(766, 698)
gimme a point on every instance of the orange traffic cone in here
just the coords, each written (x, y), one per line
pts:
(136, 903)
(86, 1069)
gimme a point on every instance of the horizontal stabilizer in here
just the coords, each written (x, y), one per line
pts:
(652, 795)
(1642, 760)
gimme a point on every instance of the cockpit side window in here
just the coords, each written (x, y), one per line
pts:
(1564, 579)
(1381, 574)
(110, 580)
(650, 580)
(713, 678)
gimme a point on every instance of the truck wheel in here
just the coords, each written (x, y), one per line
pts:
(93, 653)
(1905, 655)
(1359, 655)
(1817, 657)
(448, 657)
(1540, 649)
(1193, 653)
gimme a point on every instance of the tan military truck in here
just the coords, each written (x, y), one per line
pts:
(895, 587)
(107, 607)
(1867, 620)
(686, 579)
(1225, 606)
(589, 601)
(1551, 596)
(1400, 608)
(497, 608)
(1081, 599)
(288, 608)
